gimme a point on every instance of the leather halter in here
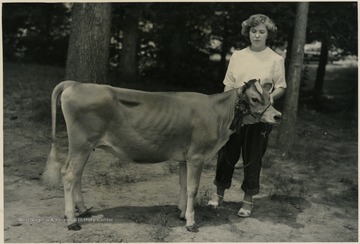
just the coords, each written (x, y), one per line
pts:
(242, 109)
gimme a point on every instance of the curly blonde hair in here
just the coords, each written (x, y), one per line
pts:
(255, 20)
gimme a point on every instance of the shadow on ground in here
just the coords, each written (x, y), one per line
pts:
(285, 210)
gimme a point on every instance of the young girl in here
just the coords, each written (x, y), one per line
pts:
(256, 61)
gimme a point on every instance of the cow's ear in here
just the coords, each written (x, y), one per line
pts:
(244, 87)
(247, 84)
(252, 81)
(259, 87)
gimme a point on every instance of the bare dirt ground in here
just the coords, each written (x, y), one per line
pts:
(310, 195)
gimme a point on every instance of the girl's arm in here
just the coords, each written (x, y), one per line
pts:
(277, 93)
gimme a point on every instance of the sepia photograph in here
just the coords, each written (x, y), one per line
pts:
(180, 121)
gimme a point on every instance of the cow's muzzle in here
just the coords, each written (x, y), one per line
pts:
(272, 117)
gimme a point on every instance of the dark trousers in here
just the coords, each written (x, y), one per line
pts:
(251, 142)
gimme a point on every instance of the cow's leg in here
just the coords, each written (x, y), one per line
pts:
(72, 172)
(78, 197)
(194, 168)
(183, 190)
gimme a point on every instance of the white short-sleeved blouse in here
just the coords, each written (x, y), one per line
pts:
(246, 64)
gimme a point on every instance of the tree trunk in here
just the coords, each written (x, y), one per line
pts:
(320, 74)
(290, 40)
(88, 53)
(128, 65)
(287, 130)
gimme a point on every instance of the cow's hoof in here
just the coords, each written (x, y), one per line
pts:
(182, 218)
(74, 226)
(192, 228)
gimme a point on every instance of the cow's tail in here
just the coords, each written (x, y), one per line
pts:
(52, 173)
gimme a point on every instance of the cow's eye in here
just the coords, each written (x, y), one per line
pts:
(255, 100)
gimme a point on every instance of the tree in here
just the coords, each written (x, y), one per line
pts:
(320, 74)
(128, 63)
(287, 130)
(88, 53)
(335, 25)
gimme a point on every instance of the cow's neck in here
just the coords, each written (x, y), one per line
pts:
(225, 107)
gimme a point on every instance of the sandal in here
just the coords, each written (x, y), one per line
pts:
(215, 200)
(244, 213)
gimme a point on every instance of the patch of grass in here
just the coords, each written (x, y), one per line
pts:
(348, 193)
(203, 196)
(99, 236)
(306, 151)
(139, 219)
(129, 179)
(173, 167)
(286, 187)
(108, 180)
(160, 225)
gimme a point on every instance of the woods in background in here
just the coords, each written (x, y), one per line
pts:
(178, 42)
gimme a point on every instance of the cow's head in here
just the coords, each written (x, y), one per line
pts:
(254, 104)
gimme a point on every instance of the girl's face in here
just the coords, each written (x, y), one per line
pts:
(258, 36)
